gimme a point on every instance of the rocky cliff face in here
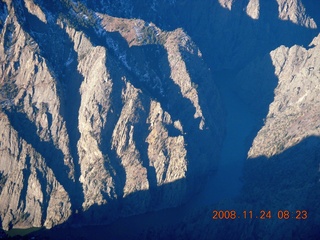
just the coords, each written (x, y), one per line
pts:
(101, 116)
(293, 114)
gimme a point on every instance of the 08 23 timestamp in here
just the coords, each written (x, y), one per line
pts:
(262, 214)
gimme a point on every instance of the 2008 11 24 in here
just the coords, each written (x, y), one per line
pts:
(263, 214)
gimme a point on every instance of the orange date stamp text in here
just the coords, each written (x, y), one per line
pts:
(262, 214)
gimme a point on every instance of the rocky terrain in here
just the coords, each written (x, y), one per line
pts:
(99, 111)
(293, 115)
(111, 109)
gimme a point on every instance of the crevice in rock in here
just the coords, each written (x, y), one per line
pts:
(26, 172)
(115, 167)
(45, 193)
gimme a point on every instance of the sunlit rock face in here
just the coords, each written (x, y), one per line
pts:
(295, 11)
(293, 114)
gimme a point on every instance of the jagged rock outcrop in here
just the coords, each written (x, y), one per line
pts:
(253, 9)
(99, 115)
(35, 10)
(295, 12)
(293, 115)
(226, 3)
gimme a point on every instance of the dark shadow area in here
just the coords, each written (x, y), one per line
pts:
(130, 227)
(212, 107)
(288, 181)
(146, 63)
(294, 170)
(254, 85)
